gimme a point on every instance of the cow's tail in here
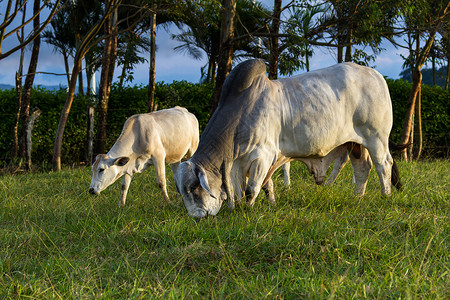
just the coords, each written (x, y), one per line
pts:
(397, 147)
(395, 177)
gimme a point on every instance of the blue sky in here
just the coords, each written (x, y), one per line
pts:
(171, 65)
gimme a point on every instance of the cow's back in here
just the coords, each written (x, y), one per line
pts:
(329, 107)
(174, 130)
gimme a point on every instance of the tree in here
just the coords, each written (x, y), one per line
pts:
(108, 65)
(61, 37)
(202, 34)
(89, 40)
(7, 30)
(19, 88)
(10, 15)
(425, 16)
(444, 48)
(274, 40)
(152, 71)
(83, 48)
(26, 97)
(225, 60)
(296, 46)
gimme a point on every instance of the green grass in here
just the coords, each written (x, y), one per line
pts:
(57, 241)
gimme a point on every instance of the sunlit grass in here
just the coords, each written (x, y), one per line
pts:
(60, 242)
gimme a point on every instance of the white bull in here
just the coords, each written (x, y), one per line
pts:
(261, 124)
(164, 136)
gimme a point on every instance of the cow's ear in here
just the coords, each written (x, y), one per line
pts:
(121, 161)
(204, 182)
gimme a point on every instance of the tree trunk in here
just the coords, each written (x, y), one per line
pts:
(66, 66)
(106, 80)
(19, 90)
(90, 118)
(411, 141)
(29, 84)
(18, 110)
(152, 70)
(447, 77)
(225, 61)
(406, 133)
(80, 83)
(274, 40)
(348, 50)
(34, 115)
(421, 55)
(418, 118)
(433, 64)
(340, 49)
(56, 161)
(210, 70)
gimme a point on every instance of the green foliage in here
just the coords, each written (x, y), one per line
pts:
(126, 101)
(50, 103)
(435, 115)
(316, 243)
(427, 75)
(7, 115)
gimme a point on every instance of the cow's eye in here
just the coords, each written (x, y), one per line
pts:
(192, 188)
(101, 170)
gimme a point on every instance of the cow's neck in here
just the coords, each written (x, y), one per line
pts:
(123, 146)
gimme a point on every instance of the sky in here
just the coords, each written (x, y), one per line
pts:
(172, 65)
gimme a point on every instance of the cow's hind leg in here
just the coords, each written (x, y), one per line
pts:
(383, 162)
(161, 174)
(361, 165)
(287, 177)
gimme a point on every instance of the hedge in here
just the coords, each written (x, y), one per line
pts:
(127, 101)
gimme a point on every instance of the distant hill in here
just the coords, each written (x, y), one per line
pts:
(46, 87)
(5, 86)
(427, 76)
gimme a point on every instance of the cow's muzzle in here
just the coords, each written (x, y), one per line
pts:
(91, 191)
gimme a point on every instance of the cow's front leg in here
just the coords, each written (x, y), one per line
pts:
(161, 174)
(257, 173)
(125, 185)
(174, 167)
(268, 189)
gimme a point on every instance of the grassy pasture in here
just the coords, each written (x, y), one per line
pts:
(57, 241)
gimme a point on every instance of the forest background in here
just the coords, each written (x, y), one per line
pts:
(74, 124)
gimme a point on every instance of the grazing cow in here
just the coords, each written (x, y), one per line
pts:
(164, 136)
(261, 124)
(341, 155)
(319, 166)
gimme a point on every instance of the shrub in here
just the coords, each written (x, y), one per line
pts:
(127, 101)
(435, 115)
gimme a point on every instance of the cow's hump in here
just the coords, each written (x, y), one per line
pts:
(241, 77)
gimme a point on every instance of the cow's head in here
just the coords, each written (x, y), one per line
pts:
(201, 190)
(105, 171)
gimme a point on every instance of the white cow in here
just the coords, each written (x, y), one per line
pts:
(341, 155)
(164, 136)
(261, 124)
